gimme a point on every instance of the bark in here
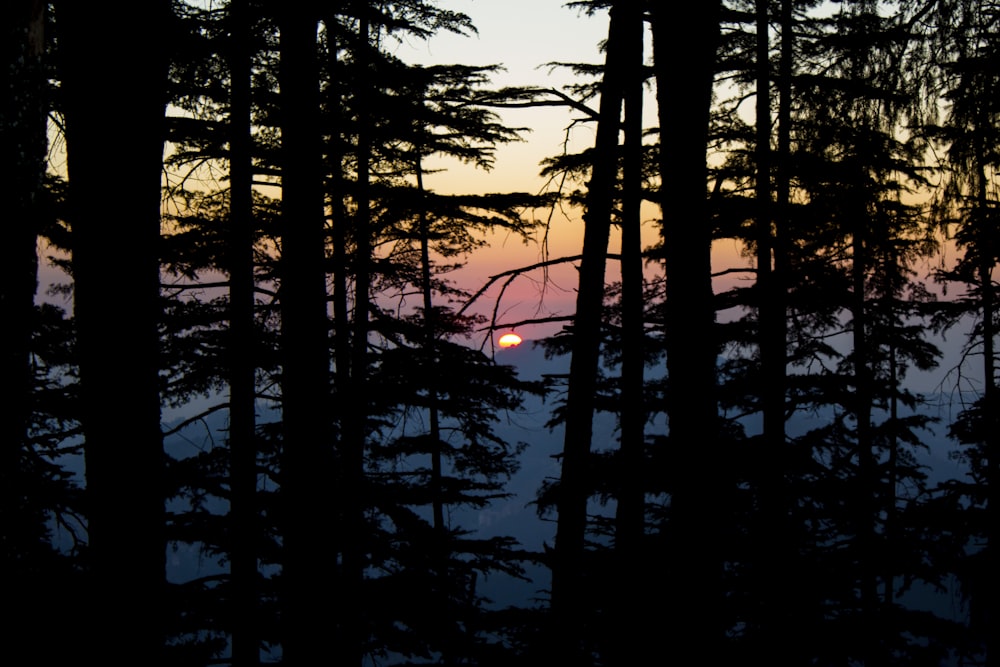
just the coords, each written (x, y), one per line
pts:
(441, 606)
(430, 343)
(699, 488)
(984, 233)
(354, 490)
(770, 292)
(568, 576)
(868, 504)
(117, 339)
(243, 513)
(631, 511)
(775, 554)
(307, 450)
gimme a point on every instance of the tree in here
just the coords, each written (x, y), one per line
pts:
(855, 168)
(36, 492)
(336, 303)
(968, 209)
(244, 513)
(117, 345)
(307, 442)
(699, 490)
(630, 511)
(568, 566)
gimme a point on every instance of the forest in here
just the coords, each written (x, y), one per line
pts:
(236, 194)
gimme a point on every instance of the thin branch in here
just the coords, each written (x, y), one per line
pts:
(513, 273)
(538, 320)
(198, 417)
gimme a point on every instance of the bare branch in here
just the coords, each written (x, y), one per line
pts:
(513, 273)
(198, 417)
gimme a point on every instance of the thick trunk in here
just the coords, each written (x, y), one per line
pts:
(307, 458)
(117, 339)
(698, 485)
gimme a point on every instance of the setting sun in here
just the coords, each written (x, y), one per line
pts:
(509, 340)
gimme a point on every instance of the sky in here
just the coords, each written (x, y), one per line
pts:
(524, 36)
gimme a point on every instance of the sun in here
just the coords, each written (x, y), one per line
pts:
(509, 340)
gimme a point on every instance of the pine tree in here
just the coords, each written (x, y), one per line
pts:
(569, 580)
(856, 168)
(125, 517)
(698, 493)
(967, 33)
(243, 503)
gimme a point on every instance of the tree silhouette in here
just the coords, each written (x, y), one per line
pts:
(568, 567)
(786, 509)
(125, 502)
(698, 490)
(968, 209)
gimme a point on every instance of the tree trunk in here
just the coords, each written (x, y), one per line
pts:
(783, 622)
(568, 576)
(775, 550)
(307, 450)
(863, 381)
(684, 76)
(117, 338)
(630, 513)
(243, 512)
(984, 233)
(354, 489)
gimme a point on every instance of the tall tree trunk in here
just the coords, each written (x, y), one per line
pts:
(442, 606)
(630, 512)
(568, 585)
(698, 485)
(775, 550)
(354, 488)
(789, 618)
(117, 338)
(892, 444)
(430, 343)
(863, 381)
(984, 235)
(241, 370)
(338, 226)
(770, 293)
(307, 458)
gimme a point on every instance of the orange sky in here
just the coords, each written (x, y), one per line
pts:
(523, 36)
